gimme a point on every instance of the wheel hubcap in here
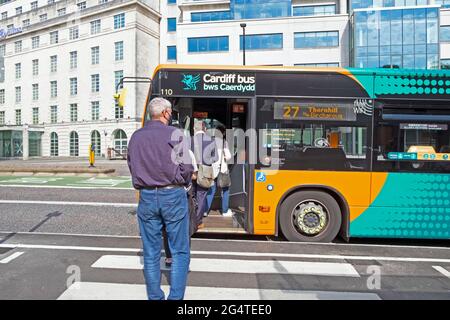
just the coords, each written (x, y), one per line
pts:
(310, 218)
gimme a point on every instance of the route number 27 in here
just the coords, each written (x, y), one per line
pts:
(290, 111)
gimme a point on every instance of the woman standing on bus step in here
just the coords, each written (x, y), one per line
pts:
(220, 167)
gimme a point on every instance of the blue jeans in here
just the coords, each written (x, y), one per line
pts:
(225, 197)
(168, 207)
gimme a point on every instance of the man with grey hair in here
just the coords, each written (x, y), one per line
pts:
(160, 171)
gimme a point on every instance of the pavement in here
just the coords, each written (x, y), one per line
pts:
(78, 166)
(77, 238)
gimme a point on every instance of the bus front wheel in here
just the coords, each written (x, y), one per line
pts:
(310, 216)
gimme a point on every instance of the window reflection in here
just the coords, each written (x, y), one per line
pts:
(398, 38)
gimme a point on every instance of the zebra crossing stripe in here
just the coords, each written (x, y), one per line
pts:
(117, 291)
(239, 266)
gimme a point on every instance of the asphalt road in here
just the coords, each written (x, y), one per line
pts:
(50, 237)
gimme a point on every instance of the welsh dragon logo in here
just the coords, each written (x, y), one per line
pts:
(190, 81)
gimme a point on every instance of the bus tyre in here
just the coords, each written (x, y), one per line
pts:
(310, 216)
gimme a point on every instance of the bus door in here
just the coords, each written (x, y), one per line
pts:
(231, 114)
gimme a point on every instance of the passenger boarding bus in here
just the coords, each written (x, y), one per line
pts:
(355, 152)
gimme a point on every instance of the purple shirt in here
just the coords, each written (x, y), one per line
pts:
(156, 158)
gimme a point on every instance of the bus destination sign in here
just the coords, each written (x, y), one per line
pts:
(208, 83)
(314, 111)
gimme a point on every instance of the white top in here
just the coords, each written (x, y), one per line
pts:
(221, 164)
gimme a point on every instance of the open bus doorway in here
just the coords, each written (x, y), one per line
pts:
(233, 115)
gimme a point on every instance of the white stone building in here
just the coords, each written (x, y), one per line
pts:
(62, 60)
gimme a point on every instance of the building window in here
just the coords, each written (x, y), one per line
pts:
(95, 26)
(319, 64)
(35, 91)
(118, 75)
(172, 53)
(43, 17)
(396, 38)
(118, 50)
(316, 39)
(120, 141)
(35, 42)
(81, 5)
(73, 112)
(118, 111)
(172, 24)
(73, 86)
(208, 44)
(61, 12)
(2, 50)
(445, 64)
(119, 21)
(4, 15)
(18, 94)
(262, 41)
(50, 1)
(171, 1)
(18, 10)
(54, 37)
(18, 70)
(445, 34)
(35, 115)
(316, 10)
(54, 150)
(260, 9)
(73, 33)
(54, 114)
(34, 5)
(35, 67)
(2, 96)
(74, 144)
(210, 16)
(53, 63)
(102, 1)
(95, 55)
(18, 117)
(25, 23)
(95, 83)
(96, 142)
(2, 117)
(73, 60)
(18, 46)
(53, 89)
(95, 110)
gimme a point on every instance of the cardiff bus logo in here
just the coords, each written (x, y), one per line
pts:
(190, 81)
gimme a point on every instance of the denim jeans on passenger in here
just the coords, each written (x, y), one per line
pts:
(169, 207)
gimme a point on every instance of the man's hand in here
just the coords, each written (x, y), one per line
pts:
(194, 176)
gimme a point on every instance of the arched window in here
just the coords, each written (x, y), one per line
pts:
(96, 141)
(74, 144)
(54, 146)
(120, 141)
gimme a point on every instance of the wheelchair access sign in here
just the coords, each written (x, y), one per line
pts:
(260, 177)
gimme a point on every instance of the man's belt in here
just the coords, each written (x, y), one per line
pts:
(170, 186)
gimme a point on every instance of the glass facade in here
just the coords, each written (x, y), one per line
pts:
(316, 10)
(11, 143)
(397, 38)
(445, 34)
(208, 44)
(262, 41)
(210, 16)
(260, 9)
(364, 4)
(316, 39)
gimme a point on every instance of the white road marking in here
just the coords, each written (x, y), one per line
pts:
(32, 180)
(68, 203)
(11, 257)
(116, 291)
(239, 266)
(64, 187)
(442, 270)
(242, 254)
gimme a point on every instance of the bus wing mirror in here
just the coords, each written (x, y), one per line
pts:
(120, 97)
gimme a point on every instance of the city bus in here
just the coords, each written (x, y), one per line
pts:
(361, 153)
